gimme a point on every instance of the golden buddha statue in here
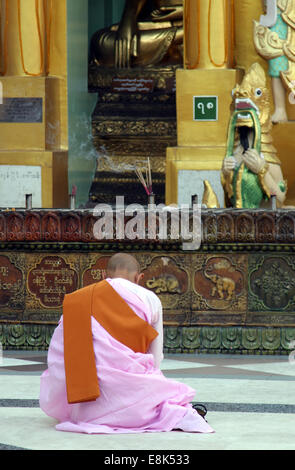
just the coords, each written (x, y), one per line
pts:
(150, 33)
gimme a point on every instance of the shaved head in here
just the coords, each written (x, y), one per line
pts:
(123, 265)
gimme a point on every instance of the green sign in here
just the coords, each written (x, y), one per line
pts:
(205, 108)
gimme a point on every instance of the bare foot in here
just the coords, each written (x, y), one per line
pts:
(279, 115)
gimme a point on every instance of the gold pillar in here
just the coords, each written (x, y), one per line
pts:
(208, 73)
(23, 26)
(33, 64)
(208, 34)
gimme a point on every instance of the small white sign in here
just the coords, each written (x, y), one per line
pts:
(18, 180)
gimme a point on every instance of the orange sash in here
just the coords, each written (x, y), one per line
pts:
(102, 302)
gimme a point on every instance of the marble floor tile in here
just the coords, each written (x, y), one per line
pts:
(31, 429)
(250, 402)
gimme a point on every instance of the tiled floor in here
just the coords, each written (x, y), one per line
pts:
(250, 401)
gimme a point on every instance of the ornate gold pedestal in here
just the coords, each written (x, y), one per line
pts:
(135, 118)
(33, 133)
(54, 173)
(34, 114)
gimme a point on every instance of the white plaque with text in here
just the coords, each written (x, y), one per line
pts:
(18, 180)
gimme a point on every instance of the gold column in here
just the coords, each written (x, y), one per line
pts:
(33, 49)
(25, 52)
(208, 38)
(208, 72)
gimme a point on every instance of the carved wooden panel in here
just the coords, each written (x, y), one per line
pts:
(93, 268)
(49, 278)
(219, 283)
(12, 281)
(265, 228)
(51, 230)
(285, 229)
(225, 228)
(228, 226)
(15, 227)
(32, 227)
(71, 227)
(245, 228)
(168, 276)
(88, 222)
(272, 283)
(3, 234)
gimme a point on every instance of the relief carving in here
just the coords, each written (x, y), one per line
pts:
(15, 227)
(168, 278)
(94, 269)
(71, 228)
(32, 227)
(49, 280)
(11, 282)
(272, 284)
(225, 228)
(51, 227)
(219, 283)
(245, 228)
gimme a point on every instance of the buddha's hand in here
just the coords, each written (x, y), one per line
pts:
(253, 161)
(229, 164)
(167, 13)
(126, 43)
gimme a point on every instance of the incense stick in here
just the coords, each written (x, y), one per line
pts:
(146, 183)
(150, 185)
(141, 179)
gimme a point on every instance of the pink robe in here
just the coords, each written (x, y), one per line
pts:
(135, 395)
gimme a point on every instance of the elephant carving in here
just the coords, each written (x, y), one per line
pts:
(223, 286)
(164, 284)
